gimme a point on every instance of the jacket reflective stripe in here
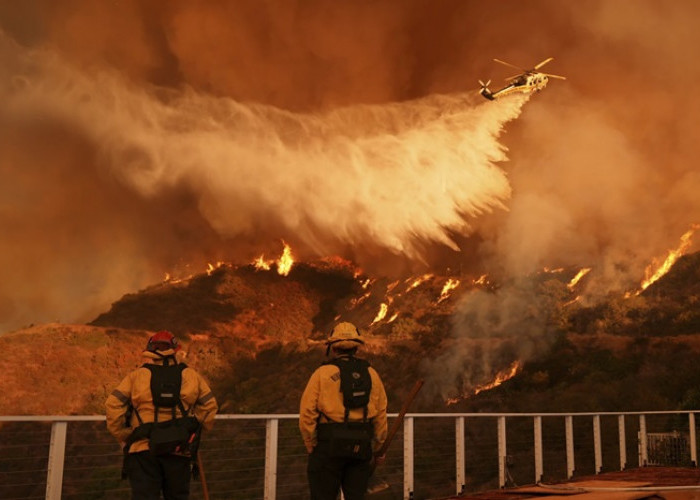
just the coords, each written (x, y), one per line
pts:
(205, 398)
(121, 397)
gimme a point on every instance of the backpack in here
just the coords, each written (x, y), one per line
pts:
(177, 434)
(355, 383)
(351, 439)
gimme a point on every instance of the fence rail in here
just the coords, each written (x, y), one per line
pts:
(262, 456)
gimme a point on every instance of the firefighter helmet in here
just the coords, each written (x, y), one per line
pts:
(344, 336)
(163, 341)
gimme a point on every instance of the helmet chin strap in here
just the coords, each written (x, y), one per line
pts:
(166, 359)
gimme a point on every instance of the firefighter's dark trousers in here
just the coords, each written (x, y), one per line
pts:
(328, 474)
(150, 475)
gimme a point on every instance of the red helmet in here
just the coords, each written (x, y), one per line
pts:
(162, 341)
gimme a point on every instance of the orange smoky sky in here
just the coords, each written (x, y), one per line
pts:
(139, 137)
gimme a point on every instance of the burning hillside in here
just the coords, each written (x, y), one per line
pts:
(242, 325)
(125, 159)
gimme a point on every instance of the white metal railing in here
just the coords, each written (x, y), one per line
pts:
(60, 424)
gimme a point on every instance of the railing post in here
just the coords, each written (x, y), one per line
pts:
(271, 439)
(643, 452)
(623, 441)
(539, 468)
(57, 457)
(570, 460)
(459, 455)
(502, 452)
(693, 442)
(408, 458)
(597, 446)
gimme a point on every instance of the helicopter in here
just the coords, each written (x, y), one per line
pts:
(530, 80)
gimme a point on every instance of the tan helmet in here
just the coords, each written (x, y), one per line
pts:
(344, 336)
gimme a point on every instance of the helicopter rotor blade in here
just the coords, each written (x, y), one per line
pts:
(509, 64)
(484, 85)
(543, 63)
(555, 76)
(512, 77)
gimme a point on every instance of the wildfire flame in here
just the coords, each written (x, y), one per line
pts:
(213, 267)
(501, 377)
(482, 280)
(383, 309)
(450, 285)
(261, 264)
(285, 262)
(417, 281)
(553, 271)
(355, 301)
(651, 275)
(578, 277)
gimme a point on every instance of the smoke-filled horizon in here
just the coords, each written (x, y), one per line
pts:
(137, 137)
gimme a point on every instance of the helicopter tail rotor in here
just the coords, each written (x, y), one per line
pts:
(484, 90)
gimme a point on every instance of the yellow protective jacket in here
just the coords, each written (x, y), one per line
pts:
(323, 396)
(195, 394)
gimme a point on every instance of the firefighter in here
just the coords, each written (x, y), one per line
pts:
(330, 420)
(138, 401)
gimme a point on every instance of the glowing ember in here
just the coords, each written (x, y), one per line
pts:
(650, 276)
(501, 377)
(396, 315)
(366, 283)
(416, 282)
(450, 285)
(578, 277)
(576, 299)
(383, 309)
(483, 280)
(355, 301)
(285, 262)
(553, 271)
(167, 277)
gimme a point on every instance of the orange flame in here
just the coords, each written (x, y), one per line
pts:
(578, 277)
(553, 271)
(501, 377)
(213, 267)
(650, 276)
(261, 264)
(358, 300)
(383, 309)
(450, 285)
(418, 281)
(286, 261)
(482, 280)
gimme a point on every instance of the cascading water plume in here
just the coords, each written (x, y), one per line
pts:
(389, 173)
